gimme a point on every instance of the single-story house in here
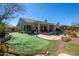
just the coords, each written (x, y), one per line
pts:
(30, 25)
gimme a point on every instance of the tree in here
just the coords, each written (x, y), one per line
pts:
(10, 10)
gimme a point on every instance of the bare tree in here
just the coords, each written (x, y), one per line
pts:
(10, 10)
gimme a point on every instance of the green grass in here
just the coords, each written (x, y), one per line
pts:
(73, 48)
(51, 47)
(31, 44)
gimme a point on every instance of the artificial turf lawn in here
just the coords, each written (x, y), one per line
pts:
(51, 47)
(72, 47)
(31, 43)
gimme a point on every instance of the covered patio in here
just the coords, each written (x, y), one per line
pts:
(43, 27)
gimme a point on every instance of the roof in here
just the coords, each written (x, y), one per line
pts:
(35, 21)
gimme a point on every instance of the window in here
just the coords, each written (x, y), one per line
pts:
(27, 27)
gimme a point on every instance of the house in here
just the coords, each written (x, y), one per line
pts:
(10, 28)
(64, 27)
(30, 25)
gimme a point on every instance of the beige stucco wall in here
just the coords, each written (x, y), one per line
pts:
(28, 23)
(22, 23)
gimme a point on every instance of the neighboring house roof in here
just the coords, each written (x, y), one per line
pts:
(35, 21)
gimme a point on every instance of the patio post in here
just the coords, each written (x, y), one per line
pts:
(43, 28)
(54, 28)
(48, 28)
(38, 27)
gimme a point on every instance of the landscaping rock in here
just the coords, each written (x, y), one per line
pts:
(5, 38)
(3, 49)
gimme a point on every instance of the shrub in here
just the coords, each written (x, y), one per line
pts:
(70, 33)
(22, 31)
(73, 34)
(67, 39)
(2, 29)
(66, 32)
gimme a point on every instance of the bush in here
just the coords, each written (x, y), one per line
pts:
(2, 29)
(70, 33)
(73, 34)
(21, 31)
(67, 32)
(67, 39)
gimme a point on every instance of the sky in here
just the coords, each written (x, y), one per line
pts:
(64, 13)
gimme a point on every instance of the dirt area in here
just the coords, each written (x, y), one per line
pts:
(75, 40)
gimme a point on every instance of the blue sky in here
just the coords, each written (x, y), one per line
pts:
(54, 12)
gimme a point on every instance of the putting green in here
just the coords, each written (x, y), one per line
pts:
(27, 43)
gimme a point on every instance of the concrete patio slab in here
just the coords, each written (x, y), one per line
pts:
(50, 37)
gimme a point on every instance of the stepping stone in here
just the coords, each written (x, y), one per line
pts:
(39, 55)
(64, 54)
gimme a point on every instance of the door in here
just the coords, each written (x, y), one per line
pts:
(45, 28)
